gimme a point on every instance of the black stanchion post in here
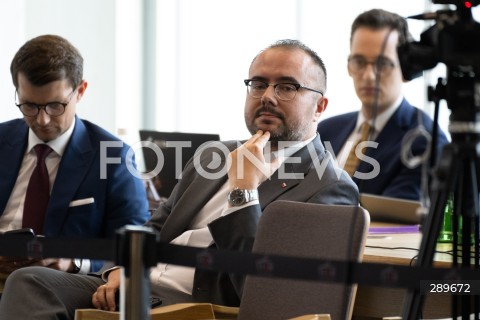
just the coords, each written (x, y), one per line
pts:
(136, 254)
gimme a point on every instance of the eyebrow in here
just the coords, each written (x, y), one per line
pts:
(24, 101)
(365, 58)
(35, 103)
(285, 79)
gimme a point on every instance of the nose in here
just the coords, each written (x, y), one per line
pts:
(269, 96)
(42, 117)
(370, 71)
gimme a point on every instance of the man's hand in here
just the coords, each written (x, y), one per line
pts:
(248, 167)
(104, 297)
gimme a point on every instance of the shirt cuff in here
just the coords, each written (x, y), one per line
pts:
(85, 268)
(106, 272)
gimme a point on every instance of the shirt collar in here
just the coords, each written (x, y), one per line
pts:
(58, 145)
(381, 119)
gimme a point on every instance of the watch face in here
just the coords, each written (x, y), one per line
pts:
(237, 197)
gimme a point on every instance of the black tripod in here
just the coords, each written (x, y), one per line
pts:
(450, 41)
(456, 173)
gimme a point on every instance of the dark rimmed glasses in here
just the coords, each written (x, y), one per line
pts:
(283, 91)
(358, 65)
(53, 109)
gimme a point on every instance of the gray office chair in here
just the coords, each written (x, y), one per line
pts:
(336, 232)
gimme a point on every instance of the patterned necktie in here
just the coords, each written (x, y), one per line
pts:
(352, 161)
(38, 192)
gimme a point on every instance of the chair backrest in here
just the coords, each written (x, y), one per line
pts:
(336, 232)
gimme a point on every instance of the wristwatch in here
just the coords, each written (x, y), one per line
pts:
(77, 265)
(237, 196)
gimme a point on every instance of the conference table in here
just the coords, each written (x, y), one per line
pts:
(399, 248)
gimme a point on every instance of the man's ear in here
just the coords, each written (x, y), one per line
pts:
(322, 105)
(82, 87)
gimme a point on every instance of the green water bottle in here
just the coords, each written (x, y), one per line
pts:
(460, 231)
(446, 235)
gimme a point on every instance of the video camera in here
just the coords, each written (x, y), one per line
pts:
(455, 41)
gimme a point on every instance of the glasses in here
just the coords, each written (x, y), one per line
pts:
(381, 65)
(53, 109)
(283, 91)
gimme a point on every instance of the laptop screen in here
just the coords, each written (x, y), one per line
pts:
(391, 209)
(170, 144)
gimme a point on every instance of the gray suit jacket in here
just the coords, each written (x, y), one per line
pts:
(321, 183)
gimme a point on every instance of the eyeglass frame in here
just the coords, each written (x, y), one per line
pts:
(391, 65)
(296, 85)
(44, 106)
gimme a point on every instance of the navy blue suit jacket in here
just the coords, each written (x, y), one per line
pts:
(119, 199)
(395, 179)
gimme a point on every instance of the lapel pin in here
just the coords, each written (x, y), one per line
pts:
(283, 184)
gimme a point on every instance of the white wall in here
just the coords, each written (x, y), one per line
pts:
(106, 32)
(11, 37)
(203, 50)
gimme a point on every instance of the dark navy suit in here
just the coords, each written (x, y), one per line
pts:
(118, 200)
(395, 179)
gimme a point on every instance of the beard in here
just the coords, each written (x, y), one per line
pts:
(288, 130)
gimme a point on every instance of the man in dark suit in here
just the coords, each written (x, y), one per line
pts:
(89, 196)
(375, 70)
(220, 208)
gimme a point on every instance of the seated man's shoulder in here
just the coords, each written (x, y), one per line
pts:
(13, 130)
(427, 122)
(338, 119)
(216, 150)
(8, 125)
(216, 146)
(97, 132)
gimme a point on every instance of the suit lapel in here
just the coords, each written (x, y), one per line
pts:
(272, 188)
(390, 137)
(283, 179)
(343, 134)
(13, 146)
(72, 169)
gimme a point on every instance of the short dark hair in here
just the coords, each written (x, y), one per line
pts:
(296, 44)
(48, 58)
(378, 19)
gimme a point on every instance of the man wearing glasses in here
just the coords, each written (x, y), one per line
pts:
(283, 159)
(385, 117)
(50, 166)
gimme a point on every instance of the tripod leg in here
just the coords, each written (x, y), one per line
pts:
(444, 178)
(467, 209)
(457, 172)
